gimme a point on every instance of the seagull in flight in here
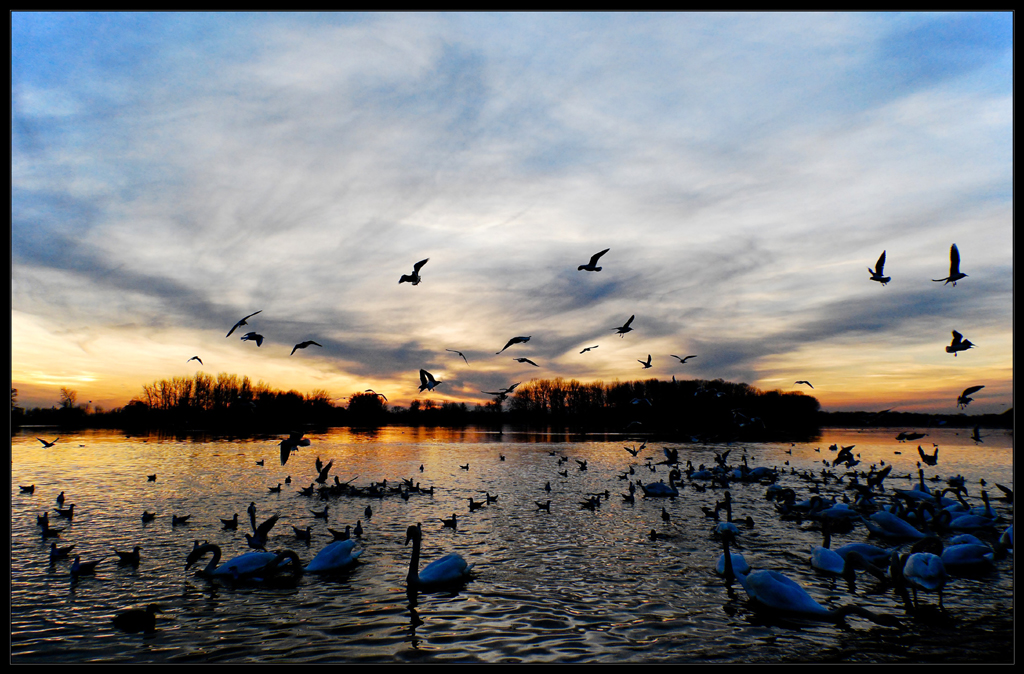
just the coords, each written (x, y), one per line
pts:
(461, 354)
(592, 265)
(413, 278)
(876, 275)
(47, 445)
(625, 327)
(646, 365)
(959, 344)
(195, 358)
(241, 323)
(303, 345)
(964, 400)
(381, 395)
(526, 360)
(503, 393)
(954, 267)
(683, 359)
(427, 381)
(803, 381)
(514, 340)
(589, 348)
(254, 337)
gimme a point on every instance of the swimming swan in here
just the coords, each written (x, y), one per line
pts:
(776, 592)
(447, 570)
(237, 567)
(334, 557)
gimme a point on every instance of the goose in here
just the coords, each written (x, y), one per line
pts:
(876, 274)
(253, 336)
(514, 340)
(131, 558)
(624, 328)
(237, 567)
(447, 570)
(682, 359)
(241, 323)
(964, 400)
(303, 345)
(138, 620)
(232, 523)
(413, 278)
(592, 265)
(47, 445)
(334, 557)
(954, 267)
(647, 364)
(195, 358)
(427, 381)
(80, 568)
(959, 344)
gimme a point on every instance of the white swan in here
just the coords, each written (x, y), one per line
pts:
(730, 563)
(240, 566)
(888, 525)
(823, 558)
(334, 557)
(448, 570)
(776, 592)
(925, 571)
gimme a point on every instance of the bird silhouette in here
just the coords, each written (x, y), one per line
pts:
(379, 395)
(514, 340)
(427, 381)
(647, 364)
(589, 348)
(683, 359)
(253, 337)
(592, 265)
(954, 267)
(964, 400)
(624, 328)
(303, 345)
(803, 381)
(47, 445)
(526, 360)
(876, 275)
(413, 278)
(195, 358)
(958, 344)
(461, 354)
(138, 620)
(241, 323)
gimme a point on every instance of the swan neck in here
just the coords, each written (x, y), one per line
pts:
(414, 563)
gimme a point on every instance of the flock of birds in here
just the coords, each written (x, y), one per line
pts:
(925, 535)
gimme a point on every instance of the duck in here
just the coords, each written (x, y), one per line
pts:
(334, 557)
(131, 558)
(237, 567)
(138, 620)
(448, 570)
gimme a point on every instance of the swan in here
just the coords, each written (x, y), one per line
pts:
(236, 567)
(138, 620)
(774, 591)
(660, 489)
(925, 571)
(334, 557)
(447, 570)
(823, 558)
(730, 563)
(888, 525)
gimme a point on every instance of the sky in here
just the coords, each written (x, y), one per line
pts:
(174, 172)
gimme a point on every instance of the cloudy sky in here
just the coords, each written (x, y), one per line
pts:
(172, 173)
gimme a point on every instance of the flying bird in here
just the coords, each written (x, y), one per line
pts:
(876, 275)
(46, 444)
(194, 358)
(503, 393)
(589, 348)
(427, 381)
(241, 323)
(413, 278)
(303, 345)
(964, 400)
(526, 360)
(514, 340)
(379, 395)
(625, 327)
(803, 381)
(592, 265)
(954, 267)
(682, 359)
(647, 364)
(461, 354)
(959, 344)
(254, 337)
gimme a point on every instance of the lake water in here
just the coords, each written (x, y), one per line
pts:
(572, 585)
